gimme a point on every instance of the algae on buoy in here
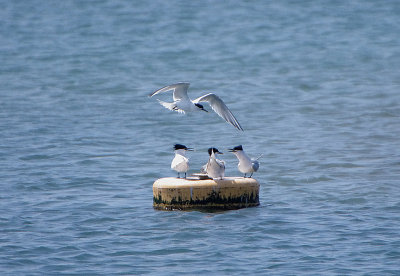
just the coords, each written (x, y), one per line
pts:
(229, 193)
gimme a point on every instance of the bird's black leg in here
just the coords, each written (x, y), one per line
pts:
(251, 175)
(179, 176)
(244, 175)
(185, 175)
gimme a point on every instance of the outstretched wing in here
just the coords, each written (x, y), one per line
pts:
(180, 90)
(220, 108)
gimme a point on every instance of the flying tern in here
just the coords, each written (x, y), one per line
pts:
(182, 103)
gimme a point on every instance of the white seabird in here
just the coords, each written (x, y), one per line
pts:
(180, 163)
(215, 168)
(182, 103)
(246, 165)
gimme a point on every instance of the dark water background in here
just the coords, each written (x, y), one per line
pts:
(315, 85)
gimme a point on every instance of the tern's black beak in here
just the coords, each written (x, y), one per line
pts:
(204, 110)
(231, 150)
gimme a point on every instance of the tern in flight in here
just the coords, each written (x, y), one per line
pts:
(182, 103)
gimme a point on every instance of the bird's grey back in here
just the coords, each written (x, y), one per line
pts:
(256, 165)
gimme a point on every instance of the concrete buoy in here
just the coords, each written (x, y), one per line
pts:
(229, 193)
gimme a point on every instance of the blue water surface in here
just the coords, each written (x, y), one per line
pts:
(315, 85)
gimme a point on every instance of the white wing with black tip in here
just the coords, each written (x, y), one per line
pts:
(220, 108)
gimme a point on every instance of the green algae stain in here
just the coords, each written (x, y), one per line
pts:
(214, 201)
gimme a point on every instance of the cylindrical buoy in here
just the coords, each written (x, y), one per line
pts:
(229, 193)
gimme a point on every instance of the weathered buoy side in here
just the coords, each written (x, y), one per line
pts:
(230, 193)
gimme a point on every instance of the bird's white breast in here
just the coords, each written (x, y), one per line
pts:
(215, 168)
(245, 165)
(180, 163)
(186, 106)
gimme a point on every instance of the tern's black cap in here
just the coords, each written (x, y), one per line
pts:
(210, 150)
(238, 147)
(179, 146)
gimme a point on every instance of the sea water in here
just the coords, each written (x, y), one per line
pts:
(315, 85)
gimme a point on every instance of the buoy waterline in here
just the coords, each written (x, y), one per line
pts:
(171, 193)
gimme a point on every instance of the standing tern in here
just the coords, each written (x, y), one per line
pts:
(180, 163)
(215, 168)
(246, 165)
(182, 103)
